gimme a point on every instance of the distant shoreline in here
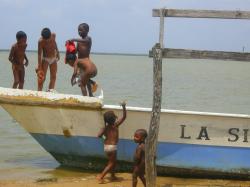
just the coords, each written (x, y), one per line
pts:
(94, 53)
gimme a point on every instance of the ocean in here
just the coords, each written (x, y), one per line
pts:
(193, 85)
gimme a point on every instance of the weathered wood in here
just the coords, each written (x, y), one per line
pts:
(221, 14)
(203, 54)
(161, 34)
(151, 143)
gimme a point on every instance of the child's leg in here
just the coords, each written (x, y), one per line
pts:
(143, 179)
(53, 71)
(89, 89)
(134, 178)
(21, 78)
(113, 176)
(111, 165)
(91, 81)
(16, 76)
(84, 81)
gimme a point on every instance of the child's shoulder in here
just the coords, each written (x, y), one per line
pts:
(53, 35)
(88, 38)
(14, 46)
(41, 40)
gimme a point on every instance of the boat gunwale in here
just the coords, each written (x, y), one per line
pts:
(184, 112)
(47, 99)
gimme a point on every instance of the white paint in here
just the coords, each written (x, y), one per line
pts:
(48, 95)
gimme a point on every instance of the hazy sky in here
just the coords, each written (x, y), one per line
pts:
(124, 26)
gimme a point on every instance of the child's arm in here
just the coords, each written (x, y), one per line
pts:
(57, 52)
(81, 40)
(26, 59)
(74, 72)
(121, 120)
(101, 133)
(39, 54)
(138, 154)
(11, 55)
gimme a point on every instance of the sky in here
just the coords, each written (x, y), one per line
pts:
(124, 26)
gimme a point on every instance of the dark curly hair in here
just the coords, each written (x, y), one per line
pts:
(84, 25)
(109, 117)
(46, 33)
(20, 35)
(142, 132)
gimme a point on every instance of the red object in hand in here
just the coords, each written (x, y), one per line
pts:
(70, 47)
(40, 76)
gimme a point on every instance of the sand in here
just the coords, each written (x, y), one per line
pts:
(124, 181)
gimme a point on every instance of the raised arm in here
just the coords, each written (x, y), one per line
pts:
(121, 120)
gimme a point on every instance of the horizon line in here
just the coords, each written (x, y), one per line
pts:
(95, 53)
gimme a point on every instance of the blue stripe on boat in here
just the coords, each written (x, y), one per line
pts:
(231, 159)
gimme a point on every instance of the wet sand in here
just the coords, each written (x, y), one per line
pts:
(124, 180)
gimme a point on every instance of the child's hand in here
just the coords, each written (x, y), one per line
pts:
(26, 63)
(73, 80)
(123, 103)
(70, 40)
(58, 56)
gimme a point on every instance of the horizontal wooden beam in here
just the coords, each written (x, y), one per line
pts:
(201, 54)
(221, 14)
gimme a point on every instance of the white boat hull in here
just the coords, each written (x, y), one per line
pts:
(208, 143)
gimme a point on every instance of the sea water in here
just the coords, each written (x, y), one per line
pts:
(196, 85)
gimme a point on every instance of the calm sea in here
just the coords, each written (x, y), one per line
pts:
(197, 85)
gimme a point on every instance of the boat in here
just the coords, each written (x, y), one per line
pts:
(190, 143)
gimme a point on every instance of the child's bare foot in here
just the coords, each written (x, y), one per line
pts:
(100, 180)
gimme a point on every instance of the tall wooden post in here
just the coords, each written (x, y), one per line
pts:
(151, 143)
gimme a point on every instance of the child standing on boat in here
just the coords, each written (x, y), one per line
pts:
(16, 57)
(48, 56)
(139, 157)
(111, 133)
(86, 66)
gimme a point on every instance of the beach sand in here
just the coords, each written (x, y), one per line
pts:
(124, 181)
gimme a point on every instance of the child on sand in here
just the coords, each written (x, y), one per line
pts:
(111, 133)
(139, 157)
(48, 56)
(86, 66)
(16, 57)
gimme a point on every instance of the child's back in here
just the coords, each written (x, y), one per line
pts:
(112, 135)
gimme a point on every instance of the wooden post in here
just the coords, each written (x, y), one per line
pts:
(151, 143)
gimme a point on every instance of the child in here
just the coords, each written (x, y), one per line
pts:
(70, 58)
(111, 133)
(139, 157)
(16, 57)
(83, 62)
(48, 55)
